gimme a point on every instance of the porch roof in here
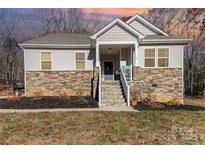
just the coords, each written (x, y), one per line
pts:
(159, 39)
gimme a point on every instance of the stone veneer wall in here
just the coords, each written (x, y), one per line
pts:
(50, 83)
(166, 83)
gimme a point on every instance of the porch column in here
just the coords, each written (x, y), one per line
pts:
(136, 55)
(131, 63)
(97, 62)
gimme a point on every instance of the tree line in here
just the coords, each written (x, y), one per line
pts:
(188, 23)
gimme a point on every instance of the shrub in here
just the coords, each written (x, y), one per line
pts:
(14, 98)
(63, 95)
(173, 101)
(38, 95)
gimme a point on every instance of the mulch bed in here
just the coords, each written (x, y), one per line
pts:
(5, 90)
(156, 106)
(48, 103)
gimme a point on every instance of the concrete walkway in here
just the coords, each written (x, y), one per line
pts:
(113, 109)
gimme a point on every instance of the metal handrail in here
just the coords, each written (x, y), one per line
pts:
(125, 86)
(99, 88)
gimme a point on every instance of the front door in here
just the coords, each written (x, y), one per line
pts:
(108, 70)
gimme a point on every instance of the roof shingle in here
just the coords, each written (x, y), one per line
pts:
(61, 38)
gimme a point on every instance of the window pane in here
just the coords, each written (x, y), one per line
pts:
(80, 60)
(80, 56)
(149, 62)
(163, 52)
(163, 62)
(150, 53)
(80, 65)
(46, 56)
(45, 65)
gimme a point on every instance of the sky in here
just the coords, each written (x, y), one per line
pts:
(107, 15)
(118, 11)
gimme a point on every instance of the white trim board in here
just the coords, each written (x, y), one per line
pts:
(151, 26)
(116, 42)
(121, 23)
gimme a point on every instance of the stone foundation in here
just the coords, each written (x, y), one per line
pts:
(52, 83)
(164, 84)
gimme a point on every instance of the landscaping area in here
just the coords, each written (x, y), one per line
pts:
(16, 102)
(183, 126)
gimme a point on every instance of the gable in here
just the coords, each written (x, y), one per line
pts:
(117, 33)
(145, 25)
(142, 28)
(117, 23)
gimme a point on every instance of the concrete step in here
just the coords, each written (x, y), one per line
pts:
(112, 97)
(114, 105)
(113, 100)
(114, 91)
(111, 86)
(110, 83)
(112, 94)
(110, 89)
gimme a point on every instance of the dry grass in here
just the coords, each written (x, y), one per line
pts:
(5, 90)
(14, 98)
(38, 93)
(63, 95)
(195, 101)
(146, 127)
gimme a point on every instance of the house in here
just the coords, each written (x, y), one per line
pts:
(120, 61)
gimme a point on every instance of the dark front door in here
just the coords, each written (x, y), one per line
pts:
(108, 70)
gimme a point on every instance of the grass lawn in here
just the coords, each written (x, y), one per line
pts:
(145, 127)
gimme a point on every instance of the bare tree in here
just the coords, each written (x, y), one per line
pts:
(10, 58)
(194, 27)
(72, 20)
(6, 25)
(167, 19)
(189, 23)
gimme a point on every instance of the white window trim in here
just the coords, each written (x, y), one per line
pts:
(85, 61)
(164, 57)
(156, 56)
(150, 58)
(41, 61)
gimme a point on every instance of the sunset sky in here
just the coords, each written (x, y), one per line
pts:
(117, 11)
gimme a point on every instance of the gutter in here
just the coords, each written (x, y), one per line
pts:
(58, 46)
(164, 40)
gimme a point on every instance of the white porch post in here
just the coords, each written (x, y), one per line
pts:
(131, 64)
(136, 55)
(97, 63)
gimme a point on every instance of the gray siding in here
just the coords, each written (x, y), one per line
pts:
(62, 60)
(175, 55)
(141, 28)
(116, 33)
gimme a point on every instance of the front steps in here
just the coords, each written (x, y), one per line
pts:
(112, 94)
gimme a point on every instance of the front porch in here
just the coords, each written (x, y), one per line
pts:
(116, 54)
(115, 62)
(114, 58)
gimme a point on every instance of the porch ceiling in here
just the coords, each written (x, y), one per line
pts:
(114, 48)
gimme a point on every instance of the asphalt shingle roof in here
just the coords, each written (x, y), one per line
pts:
(61, 38)
(160, 37)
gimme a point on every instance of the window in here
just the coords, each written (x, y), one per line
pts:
(163, 57)
(46, 60)
(80, 60)
(149, 57)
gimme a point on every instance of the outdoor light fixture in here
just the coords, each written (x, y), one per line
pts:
(109, 50)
